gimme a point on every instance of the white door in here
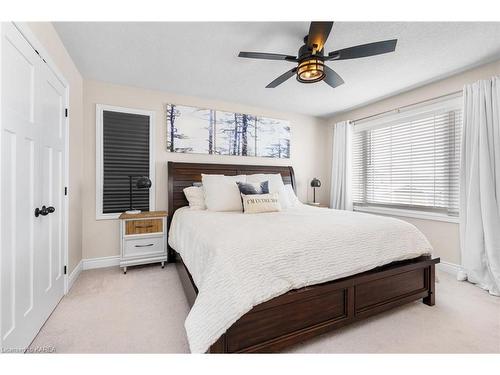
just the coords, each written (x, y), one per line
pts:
(32, 176)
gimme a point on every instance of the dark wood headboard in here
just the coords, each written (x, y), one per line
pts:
(182, 175)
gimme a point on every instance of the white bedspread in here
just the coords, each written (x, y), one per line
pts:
(241, 260)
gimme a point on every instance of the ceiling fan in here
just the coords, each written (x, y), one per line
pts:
(311, 58)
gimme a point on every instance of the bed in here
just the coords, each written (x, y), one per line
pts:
(271, 310)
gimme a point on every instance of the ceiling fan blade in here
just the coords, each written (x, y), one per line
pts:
(364, 50)
(282, 78)
(267, 56)
(332, 78)
(318, 34)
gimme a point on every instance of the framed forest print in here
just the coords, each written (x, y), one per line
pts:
(209, 131)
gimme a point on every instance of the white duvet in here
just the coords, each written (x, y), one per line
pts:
(241, 260)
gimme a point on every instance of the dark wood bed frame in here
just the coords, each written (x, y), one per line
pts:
(307, 312)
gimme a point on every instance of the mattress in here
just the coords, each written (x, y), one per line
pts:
(238, 260)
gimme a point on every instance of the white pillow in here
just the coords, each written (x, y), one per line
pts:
(221, 192)
(276, 185)
(257, 203)
(196, 197)
(292, 197)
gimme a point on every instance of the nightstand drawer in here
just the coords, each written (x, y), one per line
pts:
(143, 226)
(144, 246)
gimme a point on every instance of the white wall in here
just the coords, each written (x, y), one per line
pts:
(309, 153)
(48, 37)
(443, 236)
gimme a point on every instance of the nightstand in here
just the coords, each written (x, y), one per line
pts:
(143, 238)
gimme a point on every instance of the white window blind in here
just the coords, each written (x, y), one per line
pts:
(409, 164)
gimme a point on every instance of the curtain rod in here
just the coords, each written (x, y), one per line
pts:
(406, 106)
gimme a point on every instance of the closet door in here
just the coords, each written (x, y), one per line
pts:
(32, 165)
(50, 253)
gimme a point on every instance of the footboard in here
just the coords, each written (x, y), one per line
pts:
(311, 311)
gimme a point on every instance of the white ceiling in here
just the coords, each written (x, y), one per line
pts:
(200, 59)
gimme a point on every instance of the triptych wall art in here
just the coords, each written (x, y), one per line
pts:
(209, 131)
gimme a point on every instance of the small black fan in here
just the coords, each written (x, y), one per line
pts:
(311, 58)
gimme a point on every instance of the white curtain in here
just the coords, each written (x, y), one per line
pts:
(340, 195)
(480, 185)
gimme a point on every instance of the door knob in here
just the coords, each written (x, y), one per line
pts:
(44, 211)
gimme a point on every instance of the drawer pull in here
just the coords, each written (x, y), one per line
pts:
(144, 226)
(149, 244)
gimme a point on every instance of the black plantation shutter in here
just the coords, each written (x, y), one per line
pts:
(125, 152)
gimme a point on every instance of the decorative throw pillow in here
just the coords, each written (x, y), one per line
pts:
(221, 192)
(249, 188)
(276, 185)
(257, 203)
(195, 197)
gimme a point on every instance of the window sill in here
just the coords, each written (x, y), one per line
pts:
(408, 213)
(100, 216)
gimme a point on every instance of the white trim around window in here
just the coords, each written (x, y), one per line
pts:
(99, 156)
(415, 150)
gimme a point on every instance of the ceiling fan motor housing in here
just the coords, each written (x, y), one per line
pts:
(305, 52)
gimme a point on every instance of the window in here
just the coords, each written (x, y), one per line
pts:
(409, 160)
(124, 147)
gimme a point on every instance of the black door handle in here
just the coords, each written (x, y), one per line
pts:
(44, 211)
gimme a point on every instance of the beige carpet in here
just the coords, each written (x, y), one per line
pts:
(144, 312)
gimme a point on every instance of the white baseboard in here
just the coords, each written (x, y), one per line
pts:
(450, 268)
(74, 274)
(92, 263)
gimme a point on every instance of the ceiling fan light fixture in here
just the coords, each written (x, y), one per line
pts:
(311, 70)
(311, 57)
